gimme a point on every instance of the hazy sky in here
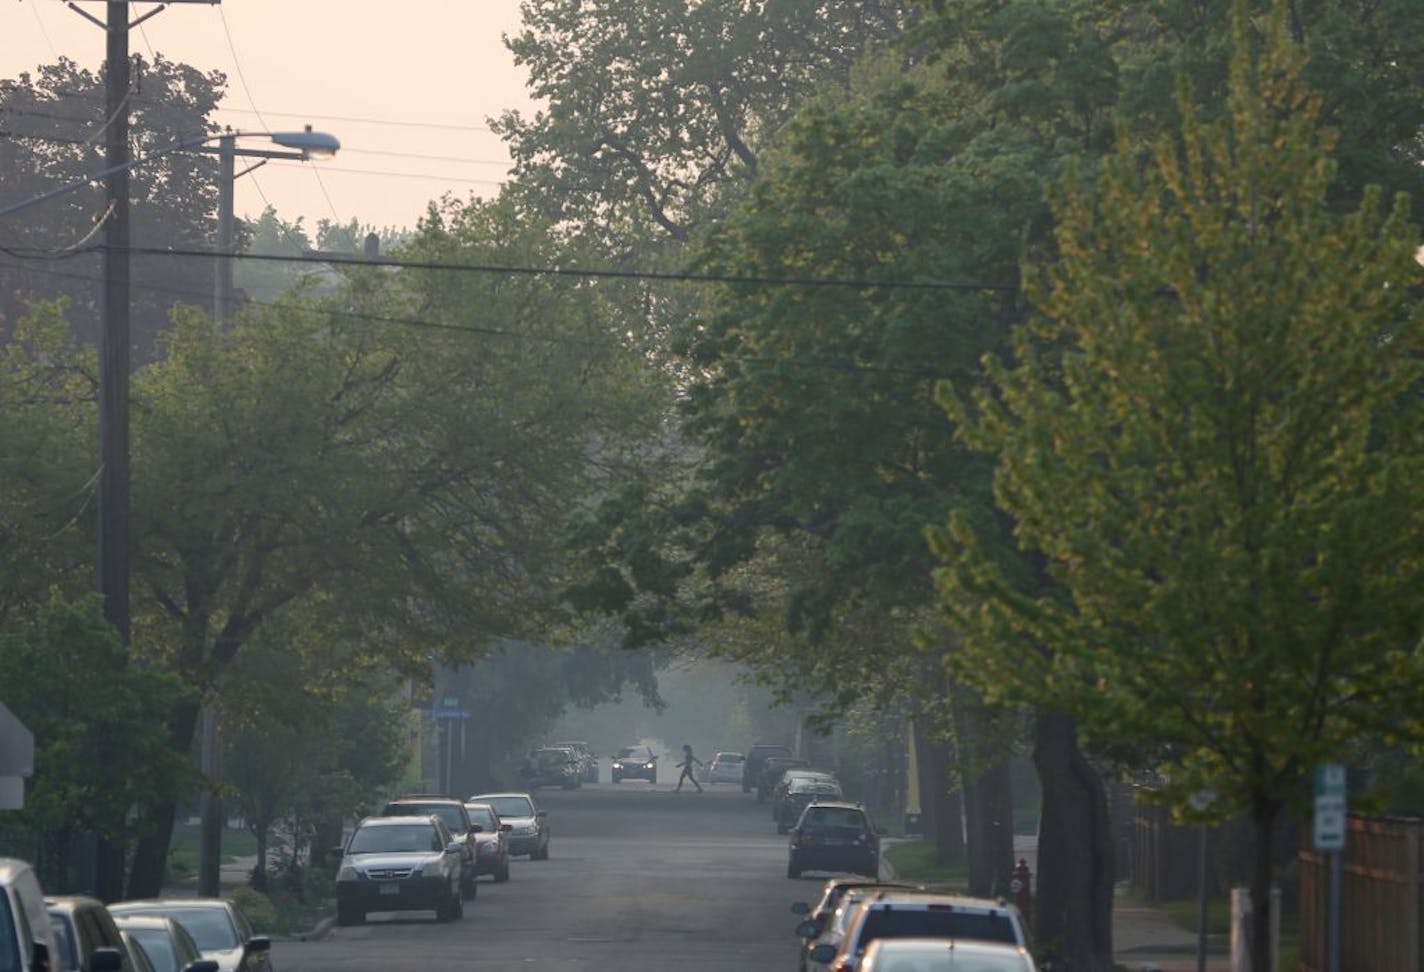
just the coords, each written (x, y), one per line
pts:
(406, 87)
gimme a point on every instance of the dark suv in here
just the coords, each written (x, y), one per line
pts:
(453, 814)
(756, 757)
(834, 837)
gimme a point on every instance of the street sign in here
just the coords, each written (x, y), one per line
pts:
(451, 713)
(17, 759)
(1330, 807)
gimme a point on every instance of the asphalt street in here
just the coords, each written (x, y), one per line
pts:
(639, 879)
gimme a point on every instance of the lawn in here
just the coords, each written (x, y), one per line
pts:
(915, 861)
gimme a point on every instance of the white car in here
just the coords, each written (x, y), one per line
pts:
(26, 936)
(725, 768)
(218, 927)
(944, 955)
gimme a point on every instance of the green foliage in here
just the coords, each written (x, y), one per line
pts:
(1210, 437)
(258, 909)
(101, 746)
(916, 861)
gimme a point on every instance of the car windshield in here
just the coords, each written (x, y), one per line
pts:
(929, 956)
(446, 812)
(481, 817)
(730, 757)
(211, 928)
(634, 752)
(517, 806)
(552, 757)
(404, 839)
(9, 954)
(158, 947)
(936, 923)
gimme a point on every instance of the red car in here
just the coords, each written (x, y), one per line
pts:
(491, 841)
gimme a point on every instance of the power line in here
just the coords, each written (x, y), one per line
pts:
(853, 283)
(364, 121)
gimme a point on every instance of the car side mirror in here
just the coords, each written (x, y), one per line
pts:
(201, 965)
(542, 813)
(105, 960)
(259, 943)
(822, 953)
(800, 908)
(808, 929)
(454, 847)
(476, 829)
(39, 958)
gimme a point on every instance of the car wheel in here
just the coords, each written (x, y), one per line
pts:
(617, 778)
(450, 908)
(469, 887)
(349, 916)
(792, 871)
(502, 874)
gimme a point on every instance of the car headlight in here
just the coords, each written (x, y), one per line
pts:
(433, 869)
(617, 765)
(347, 873)
(649, 766)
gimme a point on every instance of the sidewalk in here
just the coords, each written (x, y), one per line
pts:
(1145, 939)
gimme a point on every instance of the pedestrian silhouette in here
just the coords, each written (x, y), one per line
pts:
(688, 761)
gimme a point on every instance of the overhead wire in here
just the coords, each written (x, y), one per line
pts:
(44, 31)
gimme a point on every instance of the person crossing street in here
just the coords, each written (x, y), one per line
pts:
(688, 761)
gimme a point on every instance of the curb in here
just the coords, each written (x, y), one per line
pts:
(319, 931)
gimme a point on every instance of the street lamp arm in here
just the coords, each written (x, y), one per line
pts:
(309, 144)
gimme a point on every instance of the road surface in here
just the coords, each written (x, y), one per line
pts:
(639, 879)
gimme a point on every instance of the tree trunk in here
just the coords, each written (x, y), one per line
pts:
(259, 873)
(1074, 895)
(151, 855)
(1263, 826)
(939, 796)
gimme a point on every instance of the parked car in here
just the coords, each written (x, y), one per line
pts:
(452, 812)
(798, 789)
(771, 771)
(833, 931)
(834, 837)
(587, 758)
(941, 955)
(26, 936)
(826, 919)
(83, 931)
(897, 914)
(166, 944)
(138, 956)
(635, 763)
(529, 825)
(491, 841)
(400, 864)
(756, 756)
(554, 766)
(219, 929)
(725, 768)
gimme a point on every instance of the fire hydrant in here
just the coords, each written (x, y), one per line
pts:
(1022, 887)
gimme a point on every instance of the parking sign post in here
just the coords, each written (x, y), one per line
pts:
(1330, 839)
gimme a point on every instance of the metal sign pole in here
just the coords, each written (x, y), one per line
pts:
(1337, 888)
(1330, 826)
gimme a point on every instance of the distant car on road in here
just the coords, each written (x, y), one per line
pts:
(491, 841)
(771, 772)
(834, 837)
(400, 864)
(635, 763)
(554, 766)
(218, 926)
(797, 790)
(725, 768)
(756, 756)
(587, 758)
(529, 825)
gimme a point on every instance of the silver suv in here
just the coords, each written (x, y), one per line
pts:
(898, 914)
(400, 864)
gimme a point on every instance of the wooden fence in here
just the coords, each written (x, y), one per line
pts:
(1380, 918)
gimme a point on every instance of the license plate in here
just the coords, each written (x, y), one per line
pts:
(390, 889)
(835, 842)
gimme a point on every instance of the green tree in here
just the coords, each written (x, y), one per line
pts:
(100, 745)
(52, 124)
(1210, 436)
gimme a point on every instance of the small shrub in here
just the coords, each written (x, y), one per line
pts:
(258, 908)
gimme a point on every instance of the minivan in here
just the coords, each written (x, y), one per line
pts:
(26, 940)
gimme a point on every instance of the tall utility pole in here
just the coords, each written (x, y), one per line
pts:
(114, 380)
